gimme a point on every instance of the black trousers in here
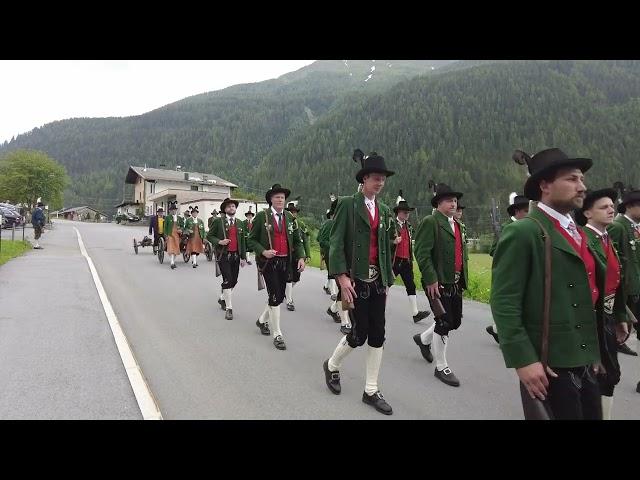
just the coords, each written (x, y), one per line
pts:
(609, 357)
(229, 267)
(367, 318)
(451, 299)
(575, 394)
(275, 273)
(402, 267)
(295, 274)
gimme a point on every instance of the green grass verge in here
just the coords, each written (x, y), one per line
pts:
(11, 249)
(479, 271)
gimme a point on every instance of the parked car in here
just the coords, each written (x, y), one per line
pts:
(127, 217)
(10, 217)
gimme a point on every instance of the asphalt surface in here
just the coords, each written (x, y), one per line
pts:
(200, 366)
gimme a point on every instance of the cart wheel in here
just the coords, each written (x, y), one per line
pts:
(161, 250)
(135, 246)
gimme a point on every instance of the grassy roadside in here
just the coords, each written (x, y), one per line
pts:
(12, 249)
(479, 271)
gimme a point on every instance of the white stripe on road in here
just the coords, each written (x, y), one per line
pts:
(144, 397)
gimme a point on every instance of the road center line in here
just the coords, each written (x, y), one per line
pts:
(141, 390)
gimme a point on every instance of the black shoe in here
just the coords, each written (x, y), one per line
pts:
(264, 327)
(173, 265)
(279, 343)
(490, 331)
(425, 350)
(37, 248)
(249, 263)
(638, 388)
(291, 307)
(624, 348)
(378, 402)
(421, 316)
(447, 377)
(335, 316)
(229, 314)
(345, 329)
(331, 378)
(334, 297)
(223, 304)
(326, 290)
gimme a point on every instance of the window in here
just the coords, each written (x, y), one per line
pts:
(194, 187)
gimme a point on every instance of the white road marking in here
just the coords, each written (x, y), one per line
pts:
(144, 397)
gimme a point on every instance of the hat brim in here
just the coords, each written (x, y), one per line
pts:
(249, 213)
(271, 193)
(398, 208)
(532, 185)
(223, 205)
(436, 198)
(511, 209)
(634, 197)
(366, 171)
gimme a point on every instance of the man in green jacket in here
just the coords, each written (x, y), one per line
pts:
(517, 210)
(441, 253)
(248, 225)
(568, 384)
(278, 248)
(596, 213)
(303, 231)
(360, 260)
(625, 233)
(227, 235)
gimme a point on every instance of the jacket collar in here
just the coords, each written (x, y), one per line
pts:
(557, 239)
(443, 220)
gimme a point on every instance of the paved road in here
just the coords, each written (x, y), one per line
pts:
(200, 366)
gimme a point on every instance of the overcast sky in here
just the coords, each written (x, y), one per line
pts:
(33, 93)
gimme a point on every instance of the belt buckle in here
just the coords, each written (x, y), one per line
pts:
(609, 302)
(374, 272)
(456, 277)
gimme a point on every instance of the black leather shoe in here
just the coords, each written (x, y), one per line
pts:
(624, 348)
(490, 331)
(195, 265)
(279, 343)
(264, 327)
(421, 316)
(223, 304)
(229, 314)
(331, 378)
(447, 376)
(334, 297)
(638, 388)
(326, 290)
(425, 350)
(345, 329)
(378, 402)
(291, 307)
(335, 316)
(173, 265)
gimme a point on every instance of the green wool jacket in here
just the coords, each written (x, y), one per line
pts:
(220, 230)
(168, 224)
(246, 233)
(621, 232)
(517, 296)
(395, 231)
(595, 244)
(190, 223)
(258, 240)
(323, 239)
(210, 221)
(342, 242)
(497, 237)
(436, 260)
(303, 231)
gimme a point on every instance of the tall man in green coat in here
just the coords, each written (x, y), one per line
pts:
(248, 225)
(441, 253)
(517, 210)
(303, 231)
(625, 233)
(596, 213)
(227, 235)
(569, 383)
(278, 248)
(360, 260)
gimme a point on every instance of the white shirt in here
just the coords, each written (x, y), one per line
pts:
(514, 219)
(371, 206)
(275, 214)
(452, 224)
(400, 222)
(230, 219)
(175, 218)
(564, 220)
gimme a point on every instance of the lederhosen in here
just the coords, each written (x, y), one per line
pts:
(451, 293)
(229, 257)
(368, 316)
(402, 264)
(275, 270)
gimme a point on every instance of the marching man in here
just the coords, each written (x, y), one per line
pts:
(304, 234)
(195, 227)
(248, 225)
(172, 228)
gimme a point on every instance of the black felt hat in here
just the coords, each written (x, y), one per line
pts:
(160, 209)
(443, 190)
(173, 205)
(403, 205)
(292, 207)
(631, 196)
(249, 213)
(195, 209)
(277, 188)
(590, 199)
(228, 201)
(374, 163)
(518, 202)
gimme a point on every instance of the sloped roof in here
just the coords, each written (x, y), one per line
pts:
(175, 176)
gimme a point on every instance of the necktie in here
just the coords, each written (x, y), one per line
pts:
(605, 239)
(574, 233)
(280, 221)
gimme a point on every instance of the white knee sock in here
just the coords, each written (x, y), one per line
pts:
(227, 298)
(344, 317)
(274, 315)
(194, 259)
(326, 284)
(287, 292)
(439, 347)
(263, 316)
(413, 301)
(607, 405)
(427, 335)
(334, 306)
(173, 259)
(494, 327)
(333, 287)
(374, 359)
(339, 354)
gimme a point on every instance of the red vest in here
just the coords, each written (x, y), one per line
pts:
(585, 254)
(249, 225)
(280, 236)
(458, 253)
(373, 237)
(613, 270)
(402, 249)
(233, 236)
